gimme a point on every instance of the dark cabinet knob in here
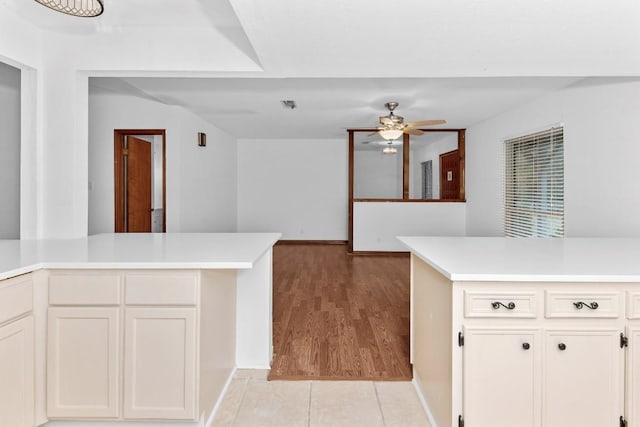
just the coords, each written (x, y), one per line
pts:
(526, 346)
(562, 346)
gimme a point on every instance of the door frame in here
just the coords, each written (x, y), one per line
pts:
(118, 175)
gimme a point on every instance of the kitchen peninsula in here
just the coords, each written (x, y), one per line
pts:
(135, 327)
(526, 332)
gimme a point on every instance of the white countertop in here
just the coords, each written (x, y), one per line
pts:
(510, 259)
(137, 250)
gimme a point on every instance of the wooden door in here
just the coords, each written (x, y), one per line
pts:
(583, 378)
(139, 178)
(134, 181)
(160, 363)
(450, 175)
(16, 374)
(83, 372)
(501, 377)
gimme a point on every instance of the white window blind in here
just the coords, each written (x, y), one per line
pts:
(534, 185)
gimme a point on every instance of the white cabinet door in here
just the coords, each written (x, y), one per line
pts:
(82, 362)
(160, 363)
(501, 377)
(17, 405)
(633, 377)
(583, 378)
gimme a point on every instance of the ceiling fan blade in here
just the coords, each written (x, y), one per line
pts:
(412, 131)
(426, 123)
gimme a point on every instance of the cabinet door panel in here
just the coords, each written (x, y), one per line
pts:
(583, 378)
(160, 363)
(501, 377)
(633, 377)
(82, 362)
(17, 404)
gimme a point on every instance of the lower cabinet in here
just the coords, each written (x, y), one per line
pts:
(502, 377)
(17, 373)
(581, 372)
(129, 345)
(83, 362)
(583, 378)
(160, 363)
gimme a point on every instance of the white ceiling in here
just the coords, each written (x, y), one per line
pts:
(326, 107)
(463, 61)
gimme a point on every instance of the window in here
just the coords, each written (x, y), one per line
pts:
(534, 185)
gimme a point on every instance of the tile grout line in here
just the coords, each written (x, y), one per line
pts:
(375, 389)
(309, 407)
(244, 393)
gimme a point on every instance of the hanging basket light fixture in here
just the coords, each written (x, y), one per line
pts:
(82, 8)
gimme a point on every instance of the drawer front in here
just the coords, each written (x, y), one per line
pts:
(84, 289)
(16, 297)
(633, 304)
(161, 289)
(500, 304)
(582, 304)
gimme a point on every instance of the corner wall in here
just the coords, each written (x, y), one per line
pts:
(602, 148)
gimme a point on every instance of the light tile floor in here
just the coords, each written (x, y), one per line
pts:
(252, 401)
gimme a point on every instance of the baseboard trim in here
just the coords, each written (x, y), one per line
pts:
(417, 384)
(223, 393)
(381, 253)
(311, 242)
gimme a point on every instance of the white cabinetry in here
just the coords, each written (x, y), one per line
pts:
(17, 387)
(160, 363)
(83, 346)
(583, 378)
(502, 377)
(538, 354)
(83, 362)
(128, 344)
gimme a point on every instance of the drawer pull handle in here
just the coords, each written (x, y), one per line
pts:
(526, 346)
(496, 305)
(562, 346)
(580, 304)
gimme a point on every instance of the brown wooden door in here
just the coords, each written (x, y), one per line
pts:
(138, 185)
(450, 175)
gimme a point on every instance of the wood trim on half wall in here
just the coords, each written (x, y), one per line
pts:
(311, 242)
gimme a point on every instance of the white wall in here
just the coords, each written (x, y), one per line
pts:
(10, 149)
(295, 187)
(201, 181)
(376, 225)
(377, 175)
(602, 148)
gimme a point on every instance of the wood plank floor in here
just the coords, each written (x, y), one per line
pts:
(337, 316)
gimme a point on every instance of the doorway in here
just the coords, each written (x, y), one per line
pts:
(140, 180)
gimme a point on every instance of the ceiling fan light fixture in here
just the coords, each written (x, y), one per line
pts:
(81, 8)
(390, 134)
(389, 150)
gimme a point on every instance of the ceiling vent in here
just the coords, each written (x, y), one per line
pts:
(289, 104)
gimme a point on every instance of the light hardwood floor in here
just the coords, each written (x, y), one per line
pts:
(337, 316)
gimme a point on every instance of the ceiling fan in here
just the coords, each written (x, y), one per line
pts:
(393, 126)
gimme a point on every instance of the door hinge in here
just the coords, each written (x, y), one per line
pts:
(623, 422)
(460, 339)
(460, 421)
(125, 152)
(624, 341)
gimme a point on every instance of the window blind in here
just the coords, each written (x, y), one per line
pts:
(534, 185)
